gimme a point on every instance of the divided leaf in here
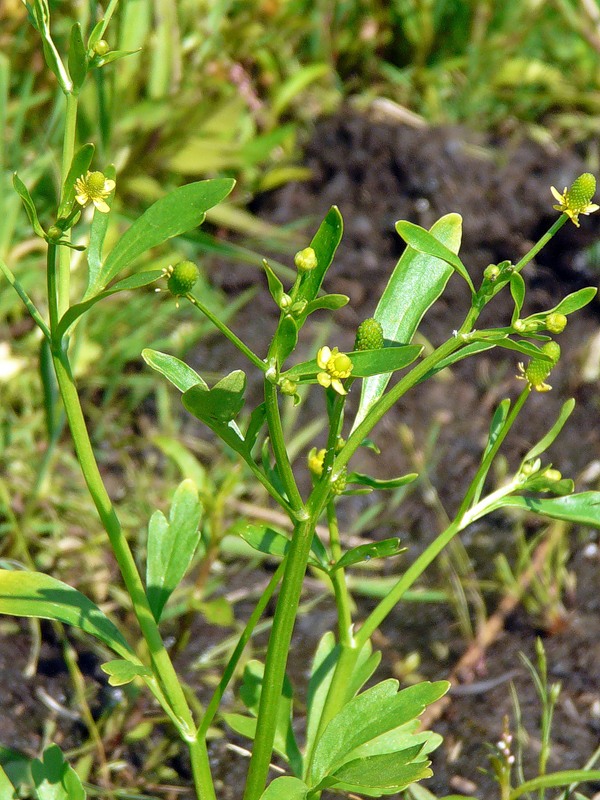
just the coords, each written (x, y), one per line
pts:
(122, 672)
(220, 404)
(285, 788)
(171, 545)
(54, 779)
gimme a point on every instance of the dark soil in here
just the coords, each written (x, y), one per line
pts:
(377, 173)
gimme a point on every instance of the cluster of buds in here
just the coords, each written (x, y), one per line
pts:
(504, 745)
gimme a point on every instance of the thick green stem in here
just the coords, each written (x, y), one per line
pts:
(64, 271)
(279, 449)
(338, 578)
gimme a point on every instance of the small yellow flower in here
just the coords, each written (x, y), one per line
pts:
(94, 187)
(577, 199)
(315, 461)
(336, 366)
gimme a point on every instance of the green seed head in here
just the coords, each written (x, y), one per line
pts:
(183, 278)
(556, 323)
(305, 260)
(339, 484)
(369, 335)
(552, 349)
(96, 181)
(581, 192)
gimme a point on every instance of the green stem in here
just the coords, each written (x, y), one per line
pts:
(64, 271)
(541, 243)
(257, 613)
(159, 655)
(228, 333)
(51, 281)
(112, 6)
(279, 449)
(338, 578)
(27, 301)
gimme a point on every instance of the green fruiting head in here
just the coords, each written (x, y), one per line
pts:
(369, 335)
(305, 260)
(581, 192)
(538, 370)
(339, 484)
(182, 278)
(556, 323)
(552, 349)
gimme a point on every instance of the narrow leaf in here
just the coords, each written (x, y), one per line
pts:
(331, 302)
(377, 483)
(556, 779)
(576, 300)
(79, 166)
(28, 204)
(415, 284)
(179, 211)
(98, 230)
(133, 282)
(424, 242)
(364, 362)
(546, 441)
(582, 508)
(365, 552)
(517, 290)
(272, 542)
(33, 594)
(174, 370)
(286, 339)
(77, 61)
(171, 545)
(275, 285)
(325, 242)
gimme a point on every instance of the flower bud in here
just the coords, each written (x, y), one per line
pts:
(54, 233)
(102, 47)
(305, 260)
(285, 303)
(288, 387)
(315, 461)
(491, 273)
(556, 323)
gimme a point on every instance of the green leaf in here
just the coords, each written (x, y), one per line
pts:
(321, 674)
(496, 428)
(331, 302)
(424, 242)
(222, 403)
(286, 338)
(364, 362)
(49, 389)
(369, 715)
(174, 370)
(79, 166)
(415, 284)
(96, 34)
(257, 420)
(77, 61)
(122, 672)
(582, 508)
(546, 441)
(517, 290)
(275, 285)
(54, 779)
(271, 542)
(325, 242)
(98, 230)
(377, 483)
(33, 594)
(7, 790)
(464, 352)
(572, 302)
(29, 205)
(520, 346)
(115, 55)
(285, 788)
(365, 552)
(299, 80)
(179, 211)
(556, 779)
(171, 545)
(383, 774)
(133, 282)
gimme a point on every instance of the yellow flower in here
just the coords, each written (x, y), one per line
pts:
(94, 187)
(576, 200)
(336, 366)
(315, 461)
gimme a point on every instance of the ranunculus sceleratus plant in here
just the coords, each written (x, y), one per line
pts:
(353, 740)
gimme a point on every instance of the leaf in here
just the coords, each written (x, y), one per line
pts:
(174, 370)
(7, 790)
(33, 594)
(517, 290)
(321, 674)
(222, 403)
(520, 346)
(389, 771)
(582, 508)
(77, 60)
(54, 779)
(273, 543)
(572, 302)
(116, 55)
(257, 420)
(372, 713)
(424, 242)
(179, 211)
(286, 338)
(325, 242)
(365, 552)
(122, 672)
(564, 778)
(415, 284)
(133, 282)
(377, 483)
(545, 442)
(496, 428)
(300, 79)
(285, 788)
(275, 285)
(29, 205)
(98, 230)
(464, 352)
(364, 362)
(171, 545)
(79, 166)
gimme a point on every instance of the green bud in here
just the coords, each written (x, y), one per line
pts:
(288, 387)
(285, 303)
(102, 47)
(182, 278)
(491, 272)
(369, 335)
(305, 260)
(556, 323)
(298, 308)
(54, 233)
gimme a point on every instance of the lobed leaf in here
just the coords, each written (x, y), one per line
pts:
(121, 672)
(285, 788)
(54, 779)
